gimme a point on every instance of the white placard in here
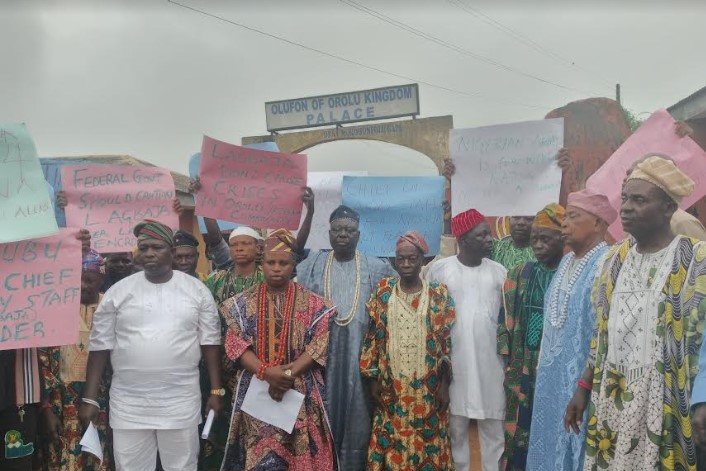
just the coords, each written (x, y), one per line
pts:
(259, 404)
(508, 169)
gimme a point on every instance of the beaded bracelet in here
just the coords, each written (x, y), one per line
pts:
(584, 385)
(260, 373)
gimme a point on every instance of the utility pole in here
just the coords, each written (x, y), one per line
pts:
(617, 93)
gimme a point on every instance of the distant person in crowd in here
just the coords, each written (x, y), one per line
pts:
(278, 333)
(245, 272)
(475, 283)
(515, 249)
(118, 265)
(569, 319)
(347, 278)
(650, 310)
(520, 330)
(22, 398)
(186, 254)
(63, 371)
(406, 360)
(153, 327)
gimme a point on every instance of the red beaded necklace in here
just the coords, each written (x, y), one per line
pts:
(284, 331)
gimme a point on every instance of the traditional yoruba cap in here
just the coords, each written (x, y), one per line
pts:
(664, 174)
(466, 221)
(281, 240)
(550, 217)
(244, 231)
(185, 239)
(93, 262)
(415, 239)
(344, 212)
(151, 229)
(594, 203)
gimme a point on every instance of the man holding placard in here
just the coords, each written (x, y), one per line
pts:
(346, 277)
(475, 283)
(150, 325)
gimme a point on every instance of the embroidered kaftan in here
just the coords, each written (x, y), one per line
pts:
(405, 349)
(562, 361)
(348, 405)
(644, 352)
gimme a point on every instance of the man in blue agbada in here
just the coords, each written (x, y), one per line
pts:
(569, 320)
(347, 278)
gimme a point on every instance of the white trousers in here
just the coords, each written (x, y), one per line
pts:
(491, 437)
(136, 450)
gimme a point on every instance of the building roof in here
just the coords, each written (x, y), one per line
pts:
(691, 107)
(181, 182)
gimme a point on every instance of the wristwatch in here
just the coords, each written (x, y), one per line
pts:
(218, 392)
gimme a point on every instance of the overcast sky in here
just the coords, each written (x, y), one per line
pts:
(148, 78)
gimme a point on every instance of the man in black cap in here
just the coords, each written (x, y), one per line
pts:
(186, 254)
(347, 277)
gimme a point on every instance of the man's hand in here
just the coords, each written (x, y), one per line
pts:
(61, 199)
(276, 394)
(682, 129)
(194, 185)
(215, 404)
(308, 199)
(276, 377)
(178, 208)
(87, 413)
(85, 237)
(375, 389)
(574, 411)
(698, 424)
(449, 169)
(51, 425)
(563, 159)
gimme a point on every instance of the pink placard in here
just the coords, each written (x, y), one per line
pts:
(40, 300)
(249, 186)
(656, 134)
(110, 200)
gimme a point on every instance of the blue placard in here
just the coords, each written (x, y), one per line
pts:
(195, 165)
(391, 206)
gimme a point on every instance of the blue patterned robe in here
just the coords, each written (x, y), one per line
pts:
(349, 407)
(562, 361)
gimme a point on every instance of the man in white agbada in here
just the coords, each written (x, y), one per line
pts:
(475, 283)
(151, 325)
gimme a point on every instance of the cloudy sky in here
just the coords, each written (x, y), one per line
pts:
(148, 78)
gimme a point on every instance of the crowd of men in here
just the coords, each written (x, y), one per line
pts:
(568, 353)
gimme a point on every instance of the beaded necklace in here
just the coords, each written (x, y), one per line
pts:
(343, 321)
(263, 309)
(558, 315)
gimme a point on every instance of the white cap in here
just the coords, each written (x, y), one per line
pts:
(245, 231)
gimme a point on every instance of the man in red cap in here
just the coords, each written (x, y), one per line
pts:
(475, 283)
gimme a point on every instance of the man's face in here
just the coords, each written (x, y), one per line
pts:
(91, 283)
(186, 259)
(344, 235)
(547, 244)
(408, 262)
(277, 267)
(521, 228)
(478, 240)
(579, 226)
(244, 249)
(156, 256)
(118, 265)
(645, 208)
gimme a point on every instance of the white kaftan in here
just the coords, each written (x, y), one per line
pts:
(477, 387)
(154, 332)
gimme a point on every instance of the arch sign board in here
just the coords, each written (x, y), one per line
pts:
(340, 108)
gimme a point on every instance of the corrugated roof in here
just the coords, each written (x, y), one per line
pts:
(691, 107)
(181, 181)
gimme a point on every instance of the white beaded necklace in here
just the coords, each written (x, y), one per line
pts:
(558, 315)
(343, 321)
